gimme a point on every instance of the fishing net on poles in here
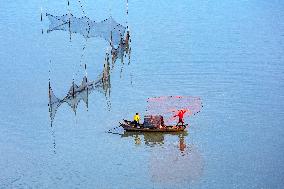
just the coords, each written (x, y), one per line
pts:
(169, 106)
(81, 92)
(102, 83)
(122, 49)
(107, 29)
(53, 103)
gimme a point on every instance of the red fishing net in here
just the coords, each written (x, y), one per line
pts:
(169, 107)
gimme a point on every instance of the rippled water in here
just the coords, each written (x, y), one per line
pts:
(229, 53)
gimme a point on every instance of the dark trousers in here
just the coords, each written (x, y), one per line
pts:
(180, 121)
(136, 123)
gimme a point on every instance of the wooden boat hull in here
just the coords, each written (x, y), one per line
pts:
(127, 126)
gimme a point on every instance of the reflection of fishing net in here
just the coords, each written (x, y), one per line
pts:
(169, 106)
(107, 29)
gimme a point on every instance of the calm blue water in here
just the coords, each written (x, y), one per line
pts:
(229, 53)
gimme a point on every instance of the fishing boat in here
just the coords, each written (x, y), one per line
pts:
(130, 126)
(162, 113)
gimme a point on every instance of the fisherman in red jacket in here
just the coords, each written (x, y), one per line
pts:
(180, 116)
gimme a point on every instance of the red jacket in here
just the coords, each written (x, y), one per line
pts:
(180, 114)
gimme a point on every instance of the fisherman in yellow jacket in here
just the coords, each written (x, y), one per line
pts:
(136, 119)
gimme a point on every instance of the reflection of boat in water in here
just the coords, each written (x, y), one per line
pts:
(130, 126)
(172, 162)
(173, 169)
(156, 138)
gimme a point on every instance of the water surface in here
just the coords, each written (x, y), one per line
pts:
(229, 53)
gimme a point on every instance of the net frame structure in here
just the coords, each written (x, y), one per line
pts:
(78, 93)
(107, 29)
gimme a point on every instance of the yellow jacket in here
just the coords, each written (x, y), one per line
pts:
(136, 118)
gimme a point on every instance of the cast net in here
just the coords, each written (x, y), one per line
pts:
(169, 106)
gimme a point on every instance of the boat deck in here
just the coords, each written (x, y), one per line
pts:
(128, 126)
